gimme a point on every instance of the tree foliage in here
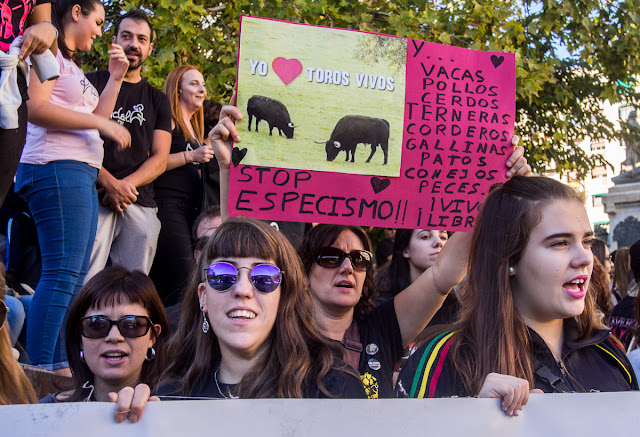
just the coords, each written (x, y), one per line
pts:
(559, 99)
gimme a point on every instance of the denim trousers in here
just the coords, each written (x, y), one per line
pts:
(63, 202)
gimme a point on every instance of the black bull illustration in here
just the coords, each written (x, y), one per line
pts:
(352, 130)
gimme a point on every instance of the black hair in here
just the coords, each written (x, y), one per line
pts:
(60, 10)
(136, 15)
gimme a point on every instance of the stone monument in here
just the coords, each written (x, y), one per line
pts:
(622, 203)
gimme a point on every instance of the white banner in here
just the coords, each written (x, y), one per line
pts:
(592, 414)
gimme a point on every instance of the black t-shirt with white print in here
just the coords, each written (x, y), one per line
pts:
(141, 108)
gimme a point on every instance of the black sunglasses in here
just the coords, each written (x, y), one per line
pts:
(222, 276)
(129, 326)
(332, 258)
(3, 313)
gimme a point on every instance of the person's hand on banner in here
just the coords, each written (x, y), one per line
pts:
(513, 391)
(517, 163)
(130, 402)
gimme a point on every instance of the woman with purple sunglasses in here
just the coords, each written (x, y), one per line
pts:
(247, 330)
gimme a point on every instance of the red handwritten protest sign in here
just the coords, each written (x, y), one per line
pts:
(392, 132)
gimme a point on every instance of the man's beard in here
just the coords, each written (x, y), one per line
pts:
(138, 62)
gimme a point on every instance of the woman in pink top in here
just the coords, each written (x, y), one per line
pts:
(58, 172)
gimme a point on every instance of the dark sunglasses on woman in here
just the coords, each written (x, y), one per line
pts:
(129, 326)
(332, 258)
(222, 276)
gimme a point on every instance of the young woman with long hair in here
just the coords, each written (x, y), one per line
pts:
(246, 328)
(338, 263)
(58, 172)
(622, 320)
(414, 251)
(178, 191)
(115, 326)
(527, 320)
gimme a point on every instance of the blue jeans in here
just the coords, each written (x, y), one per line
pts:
(63, 201)
(15, 318)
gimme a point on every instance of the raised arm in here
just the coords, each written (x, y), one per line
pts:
(41, 34)
(46, 114)
(417, 304)
(222, 137)
(118, 65)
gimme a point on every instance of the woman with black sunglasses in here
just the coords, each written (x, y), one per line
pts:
(337, 261)
(115, 326)
(246, 329)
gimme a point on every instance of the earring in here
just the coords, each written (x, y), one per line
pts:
(179, 91)
(205, 324)
(512, 271)
(82, 356)
(151, 354)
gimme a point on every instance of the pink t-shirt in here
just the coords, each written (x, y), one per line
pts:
(72, 90)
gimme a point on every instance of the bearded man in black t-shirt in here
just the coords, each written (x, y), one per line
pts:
(128, 227)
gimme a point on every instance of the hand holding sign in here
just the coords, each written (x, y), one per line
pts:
(130, 402)
(221, 138)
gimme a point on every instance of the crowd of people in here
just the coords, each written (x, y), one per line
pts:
(147, 292)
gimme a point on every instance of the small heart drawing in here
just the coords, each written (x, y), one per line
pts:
(379, 184)
(497, 60)
(237, 155)
(287, 69)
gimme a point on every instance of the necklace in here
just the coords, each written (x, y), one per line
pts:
(558, 359)
(215, 377)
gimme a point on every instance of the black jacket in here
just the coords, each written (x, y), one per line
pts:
(596, 363)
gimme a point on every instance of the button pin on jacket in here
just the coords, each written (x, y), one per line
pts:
(374, 364)
(372, 349)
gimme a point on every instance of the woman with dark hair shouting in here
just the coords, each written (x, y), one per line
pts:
(527, 320)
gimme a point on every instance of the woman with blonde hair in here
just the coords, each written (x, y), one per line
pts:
(15, 388)
(178, 192)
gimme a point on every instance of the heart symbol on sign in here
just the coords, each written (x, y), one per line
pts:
(379, 184)
(497, 60)
(237, 155)
(287, 69)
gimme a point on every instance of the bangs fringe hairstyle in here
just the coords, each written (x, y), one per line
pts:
(294, 352)
(15, 387)
(112, 286)
(493, 336)
(171, 87)
(59, 12)
(325, 235)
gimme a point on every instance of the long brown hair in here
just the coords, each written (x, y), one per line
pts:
(15, 387)
(171, 87)
(295, 351)
(599, 288)
(113, 286)
(622, 273)
(493, 336)
(325, 235)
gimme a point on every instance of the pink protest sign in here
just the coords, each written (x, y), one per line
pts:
(385, 131)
